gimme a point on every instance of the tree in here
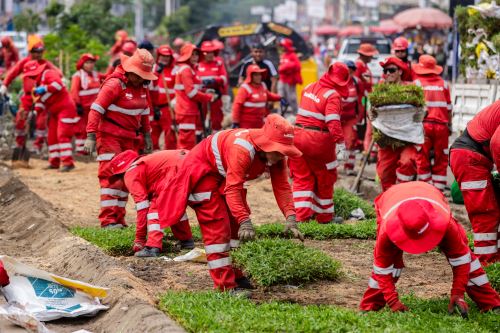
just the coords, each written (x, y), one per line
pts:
(27, 21)
(53, 10)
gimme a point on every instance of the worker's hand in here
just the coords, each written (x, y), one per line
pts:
(208, 82)
(341, 151)
(148, 143)
(283, 102)
(159, 67)
(458, 302)
(89, 145)
(79, 110)
(40, 90)
(213, 97)
(4, 278)
(3, 89)
(397, 306)
(156, 113)
(235, 125)
(246, 232)
(291, 226)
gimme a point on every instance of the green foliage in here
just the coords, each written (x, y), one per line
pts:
(276, 261)
(221, 312)
(53, 10)
(178, 23)
(493, 272)
(393, 94)
(115, 242)
(346, 202)
(27, 21)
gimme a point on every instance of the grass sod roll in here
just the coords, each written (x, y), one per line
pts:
(393, 94)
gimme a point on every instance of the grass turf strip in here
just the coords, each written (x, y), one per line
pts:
(345, 202)
(220, 312)
(493, 272)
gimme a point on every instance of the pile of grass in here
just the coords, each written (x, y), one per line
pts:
(345, 202)
(394, 94)
(276, 261)
(115, 242)
(493, 272)
(220, 312)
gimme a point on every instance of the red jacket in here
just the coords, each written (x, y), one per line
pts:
(18, 69)
(10, 57)
(158, 89)
(250, 103)
(437, 98)
(482, 127)
(120, 109)
(454, 244)
(350, 104)
(85, 87)
(289, 68)
(214, 70)
(144, 177)
(188, 91)
(56, 99)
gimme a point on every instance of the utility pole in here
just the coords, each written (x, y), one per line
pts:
(139, 14)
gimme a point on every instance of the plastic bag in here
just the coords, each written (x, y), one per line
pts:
(48, 296)
(397, 121)
(195, 255)
(18, 316)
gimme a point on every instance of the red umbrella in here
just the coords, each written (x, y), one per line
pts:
(351, 30)
(326, 30)
(387, 27)
(430, 18)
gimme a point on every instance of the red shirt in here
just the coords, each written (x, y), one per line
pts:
(188, 91)
(57, 98)
(250, 103)
(85, 87)
(351, 103)
(482, 127)
(18, 69)
(289, 68)
(437, 98)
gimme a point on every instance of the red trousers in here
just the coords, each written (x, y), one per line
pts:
(187, 124)
(40, 130)
(81, 134)
(436, 138)
(473, 173)
(20, 120)
(314, 175)
(398, 165)
(61, 130)
(351, 137)
(216, 114)
(163, 125)
(114, 194)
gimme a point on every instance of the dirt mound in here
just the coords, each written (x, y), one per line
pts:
(31, 232)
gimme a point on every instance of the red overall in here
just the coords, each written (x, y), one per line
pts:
(349, 117)
(188, 99)
(84, 90)
(316, 135)
(217, 71)
(468, 275)
(396, 165)
(249, 108)
(118, 115)
(26, 105)
(211, 181)
(472, 158)
(143, 180)
(160, 100)
(438, 104)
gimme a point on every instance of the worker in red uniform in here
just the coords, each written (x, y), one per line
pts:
(117, 118)
(4, 277)
(349, 118)
(437, 122)
(10, 55)
(211, 181)
(85, 85)
(289, 74)
(54, 99)
(213, 75)
(162, 95)
(415, 217)
(143, 177)
(189, 97)
(400, 164)
(120, 37)
(318, 135)
(473, 156)
(128, 47)
(249, 107)
(400, 47)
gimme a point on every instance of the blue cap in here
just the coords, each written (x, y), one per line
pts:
(146, 44)
(350, 64)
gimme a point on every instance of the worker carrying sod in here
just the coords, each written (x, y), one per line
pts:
(396, 117)
(437, 122)
(211, 181)
(415, 217)
(473, 156)
(249, 107)
(319, 136)
(117, 120)
(143, 177)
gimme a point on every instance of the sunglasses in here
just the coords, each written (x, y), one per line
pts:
(391, 70)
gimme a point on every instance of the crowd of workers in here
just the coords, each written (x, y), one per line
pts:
(181, 93)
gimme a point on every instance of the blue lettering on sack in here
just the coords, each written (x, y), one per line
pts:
(70, 309)
(49, 289)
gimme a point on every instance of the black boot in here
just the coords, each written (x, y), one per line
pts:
(67, 168)
(185, 244)
(148, 252)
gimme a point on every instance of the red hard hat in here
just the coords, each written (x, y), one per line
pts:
(84, 58)
(164, 50)
(129, 47)
(218, 44)
(208, 46)
(33, 68)
(287, 43)
(122, 161)
(400, 44)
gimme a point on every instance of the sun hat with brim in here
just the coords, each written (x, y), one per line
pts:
(367, 49)
(416, 226)
(140, 63)
(276, 135)
(253, 69)
(208, 46)
(33, 68)
(122, 161)
(84, 58)
(427, 65)
(186, 52)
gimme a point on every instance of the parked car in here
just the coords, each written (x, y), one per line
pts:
(20, 40)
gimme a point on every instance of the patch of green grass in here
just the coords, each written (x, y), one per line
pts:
(221, 312)
(493, 272)
(277, 261)
(393, 94)
(346, 202)
(115, 242)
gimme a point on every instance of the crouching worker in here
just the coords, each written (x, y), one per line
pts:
(211, 181)
(143, 177)
(415, 217)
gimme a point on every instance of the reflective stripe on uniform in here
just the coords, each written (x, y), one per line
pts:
(311, 194)
(217, 248)
(372, 283)
(436, 104)
(433, 88)
(105, 157)
(439, 186)
(349, 99)
(56, 85)
(478, 281)
(113, 203)
(130, 112)
(219, 263)
(200, 196)
(54, 155)
(246, 87)
(45, 96)
(254, 105)
(465, 259)
(65, 146)
(383, 271)
(328, 93)
(424, 176)
(142, 205)
(88, 92)
(415, 198)
(331, 117)
(475, 265)
(184, 126)
(474, 185)
(247, 145)
(70, 120)
(485, 249)
(152, 216)
(40, 105)
(404, 177)
(215, 150)
(192, 93)
(397, 272)
(439, 178)
(112, 191)
(155, 227)
(65, 153)
(486, 236)
(179, 87)
(98, 108)
(310, 114)
(310, 205)
(54, 147)
(332, 165)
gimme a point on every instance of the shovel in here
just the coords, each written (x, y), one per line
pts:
(357, 181)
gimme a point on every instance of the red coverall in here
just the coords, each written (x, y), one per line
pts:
(84, 90)
(26, 105)
(143, 180)
(211, 181)
(365, 86)
(118, 116)
(316, 135)
(472, 158)
(217, 71)
(468, 275)
(159, 100)
(349, 118)
(10, 54)
(438, 103)
(62, 117)
(249, 107)
(188, 97)
(290, 75)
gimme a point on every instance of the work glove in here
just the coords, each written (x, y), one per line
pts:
(159, 68)
(40, 90)
(3, 89)
(156, 113)
(457, 302)
(148, 143)
(235, 125)
(89, 145)
(291, 226)
(246, 231)
(208, 82)
(397, 306)
(4, 278)
(341, 151)
(284, 102)
(79, 109)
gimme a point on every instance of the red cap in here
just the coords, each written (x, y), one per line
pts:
(84, 58)
(218, 44)
(186, 52)
(122, 161)
(164, 50)
(427, 65)
(33, 68)
(394, 61)
(367, 49)
(287, 43)
(140, 63)
(276, 135)
(253, 69)
(129, 47)
(400, 44)
(208, 46)
(416, 226)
